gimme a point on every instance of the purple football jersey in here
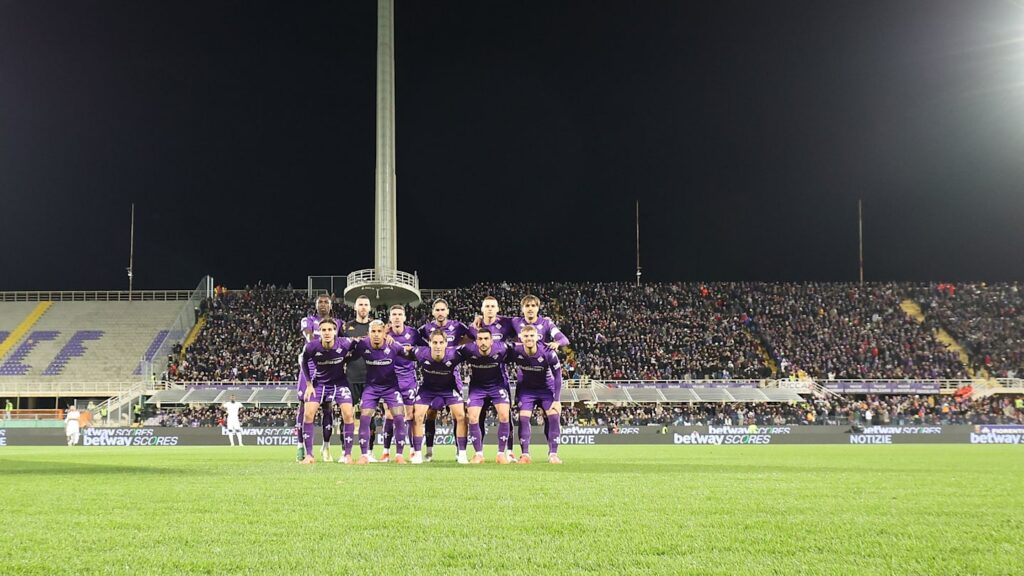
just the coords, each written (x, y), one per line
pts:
(486, 369)
(546, 330)
(454, 331)
(541, 370)
(405, 368)
(312, 324)
(329, 363)
(501, 329)
(438, 374)
(380, 363)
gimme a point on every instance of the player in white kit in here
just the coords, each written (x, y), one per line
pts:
(71, 424)
(233, 424)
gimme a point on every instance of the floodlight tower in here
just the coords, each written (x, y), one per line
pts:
(384, 283)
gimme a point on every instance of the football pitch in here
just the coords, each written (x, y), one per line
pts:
(931, 509)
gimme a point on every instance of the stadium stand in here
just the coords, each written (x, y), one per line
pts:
(662, 331)
(846, 331)
(987, 319)
(85, 341)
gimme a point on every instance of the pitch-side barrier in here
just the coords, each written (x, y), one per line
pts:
(571, 436)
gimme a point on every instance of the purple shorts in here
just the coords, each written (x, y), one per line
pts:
(497, 394)
(528, 398)
(321, 392)
(302, 383)
(373, 395)
(408, 394)
(438, 399)
(343, 395)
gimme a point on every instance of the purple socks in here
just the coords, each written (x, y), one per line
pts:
(307, 437)
(554, 432)
(389, 433)
(327, 422)
(477, 436)
(346, 438)
(524, 434)
(400, 433)
(504, 432)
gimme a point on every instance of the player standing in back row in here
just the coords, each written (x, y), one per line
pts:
(355, 368)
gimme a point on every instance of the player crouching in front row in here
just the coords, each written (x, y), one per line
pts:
(539, 384)
(328, 381)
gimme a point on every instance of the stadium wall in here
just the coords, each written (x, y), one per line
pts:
(571, 436)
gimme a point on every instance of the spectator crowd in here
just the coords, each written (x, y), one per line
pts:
(669, 331)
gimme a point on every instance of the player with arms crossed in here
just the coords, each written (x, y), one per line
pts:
(441, 387)
(405, 369)
(539, 384)
(381, 385)
(488, 383)
(455, 333)
(328, 355)
(233, 423)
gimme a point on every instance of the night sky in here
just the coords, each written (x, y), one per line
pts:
(526, 131)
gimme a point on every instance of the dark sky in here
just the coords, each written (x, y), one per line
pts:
(244, 133)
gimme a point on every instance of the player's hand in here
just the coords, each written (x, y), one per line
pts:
(477, 321)
(556, 406)
(308, 394)
(553, 346)
(407, 348)
(388, 339)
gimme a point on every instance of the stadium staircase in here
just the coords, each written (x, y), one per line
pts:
(982, 382)
(192, 335)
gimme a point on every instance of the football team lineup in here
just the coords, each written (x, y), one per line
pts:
(376, 363)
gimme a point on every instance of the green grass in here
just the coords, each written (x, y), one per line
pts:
(615, 510)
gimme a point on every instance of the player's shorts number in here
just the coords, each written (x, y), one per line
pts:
(504, 395)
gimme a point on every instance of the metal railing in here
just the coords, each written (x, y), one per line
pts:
(96, 296)
(373, 276)
(62, 389)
